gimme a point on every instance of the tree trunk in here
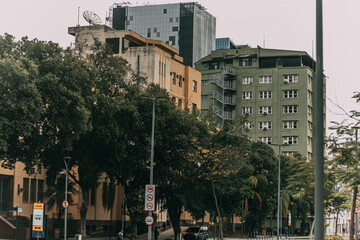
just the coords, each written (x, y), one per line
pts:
(352, 216)
(83, 213)
(336, 222)
(174, 214)
(218, 211)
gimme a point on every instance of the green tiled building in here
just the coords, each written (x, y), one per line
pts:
(273, 88)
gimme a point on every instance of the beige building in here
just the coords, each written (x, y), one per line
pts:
(160, 62)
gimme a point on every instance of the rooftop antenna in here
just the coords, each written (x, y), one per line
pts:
(91, 18)
(264, 41)
(78, 24)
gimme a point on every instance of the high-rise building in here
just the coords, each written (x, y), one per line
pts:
(272, 88)
(187, 27)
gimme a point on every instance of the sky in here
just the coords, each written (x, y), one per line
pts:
(276, 24)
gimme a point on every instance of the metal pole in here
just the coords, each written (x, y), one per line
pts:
(16, 223)
(152, 158)
(356, 226)
(319, 126)
(278, 198)
(66, 161)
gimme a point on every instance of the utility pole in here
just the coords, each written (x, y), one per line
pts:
(66, 161)
(279, 194)
(319, 126)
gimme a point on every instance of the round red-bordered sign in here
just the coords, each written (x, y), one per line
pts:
(65, 204)
(149, 220)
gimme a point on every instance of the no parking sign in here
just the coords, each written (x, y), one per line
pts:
(150, 197)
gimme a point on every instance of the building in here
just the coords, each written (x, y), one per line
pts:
(224, 43)
(272, 88)
(154, 58)
(187, 27)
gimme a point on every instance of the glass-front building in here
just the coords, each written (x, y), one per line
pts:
(225, 43)
(186, 26)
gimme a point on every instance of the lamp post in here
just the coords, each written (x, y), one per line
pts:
(66, 161)
(278, 197)
(152, 147)
(356, 149)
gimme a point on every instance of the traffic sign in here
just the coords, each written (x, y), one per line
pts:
(38, 217)
(150, 197)
(149, 220)
(65, 204)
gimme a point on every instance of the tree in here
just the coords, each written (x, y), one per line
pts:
(68, 106)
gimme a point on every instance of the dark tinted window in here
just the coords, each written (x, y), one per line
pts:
(114, 44)
(268, 63)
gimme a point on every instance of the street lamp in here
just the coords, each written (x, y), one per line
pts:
(154, 99)
(356, 149)
(66, 161)
(278, 197)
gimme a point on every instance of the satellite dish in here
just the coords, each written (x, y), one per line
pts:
(92, 18)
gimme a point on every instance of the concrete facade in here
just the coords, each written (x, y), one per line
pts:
(272, 88)
(158, 61)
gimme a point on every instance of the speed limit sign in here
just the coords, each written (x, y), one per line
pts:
(65, 204)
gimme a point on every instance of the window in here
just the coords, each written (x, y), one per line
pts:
(247, 110)
(174, 78)
(290, 93)
(291, 78)
(180, 104)
(309, 141)
(290, 124)
(309, 155)
(289, 154)
(265, 125)
(194, 107)
(310, 79)
(247, 95)
(265, 79)
(290, 140)
(309, 110)
(175, 29)
(266, 140)
(310, 98)
(105, 192)
(290, 109)
(180, 81)
(265, 94)
(33, 190)
(171, 19)
(25, 190)
(213, 65)
(40, 190)
(265, 110)
(247, 80)
(248, 125)
(165, 11)
(204, 83)
(194, 86)
(92, 196)
(309, 126)
(203, 97)
(245, 62)
(173, 99)
(114, 44)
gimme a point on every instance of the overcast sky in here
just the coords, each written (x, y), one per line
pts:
(281, 24)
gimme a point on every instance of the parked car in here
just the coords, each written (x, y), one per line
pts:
(196, 233)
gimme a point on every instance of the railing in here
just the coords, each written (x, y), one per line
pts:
(230, 100)
(228, 71)
(218, 96)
